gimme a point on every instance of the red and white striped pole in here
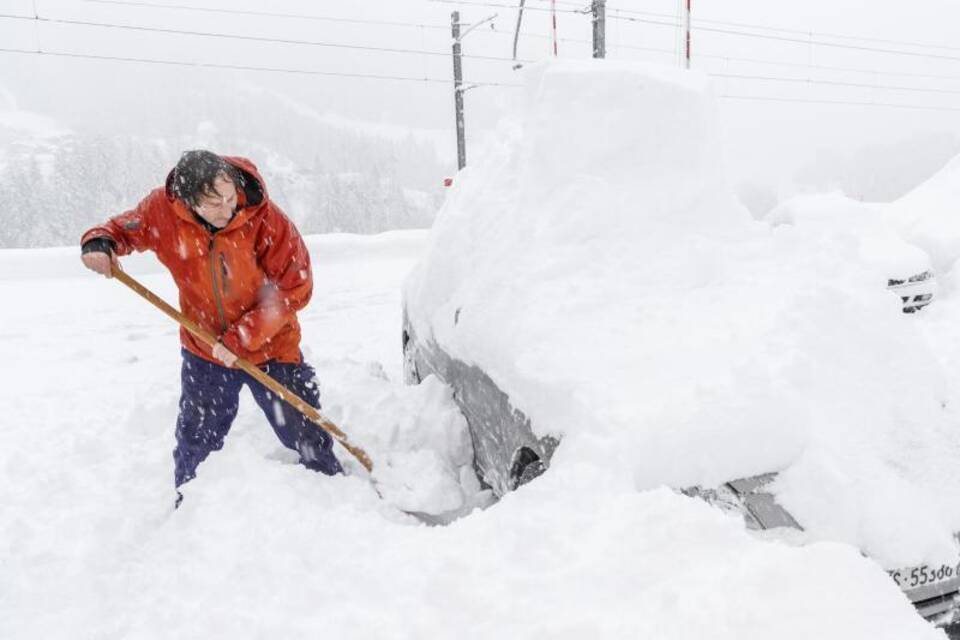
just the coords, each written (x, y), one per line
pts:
(553, 10)
(688, 35)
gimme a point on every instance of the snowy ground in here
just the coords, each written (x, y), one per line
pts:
(90, 546)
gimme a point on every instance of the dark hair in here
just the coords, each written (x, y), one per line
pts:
(196, 172)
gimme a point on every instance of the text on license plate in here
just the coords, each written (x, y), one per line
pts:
(924, 575)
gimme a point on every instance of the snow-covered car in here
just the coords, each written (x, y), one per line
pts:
(910, 274)
(907, 269)
(603, 308)
(933, 589)
(508, 454)
(915, 291)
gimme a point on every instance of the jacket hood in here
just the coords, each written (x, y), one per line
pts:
(254, 190)
(254, 187)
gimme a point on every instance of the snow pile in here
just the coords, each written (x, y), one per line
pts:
(416, 435)
(929, 216)
(91, 547)
(834, 218)
(858, 495)
(596, 265)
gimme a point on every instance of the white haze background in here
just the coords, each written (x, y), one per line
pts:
(81, 139)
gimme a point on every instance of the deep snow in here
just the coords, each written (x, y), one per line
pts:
(90, 546)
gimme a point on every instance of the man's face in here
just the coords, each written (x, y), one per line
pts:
(217, 208)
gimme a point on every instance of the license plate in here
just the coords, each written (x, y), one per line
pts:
(924, 575)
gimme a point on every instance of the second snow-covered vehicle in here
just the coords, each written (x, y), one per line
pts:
(915, 291)
(605, 311)
(508, 454)
(933, 589)
(833, 216)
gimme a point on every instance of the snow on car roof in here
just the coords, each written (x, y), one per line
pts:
(596, 264)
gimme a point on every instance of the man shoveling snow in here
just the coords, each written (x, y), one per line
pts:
(243, 272)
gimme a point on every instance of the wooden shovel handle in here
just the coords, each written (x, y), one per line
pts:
(249, 367)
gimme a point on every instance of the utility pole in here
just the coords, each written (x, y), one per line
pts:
(599, 9)
(553, 11)
(458, 90)
(688, 35)
(516, 34)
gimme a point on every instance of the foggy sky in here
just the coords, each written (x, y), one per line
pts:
(765, 140)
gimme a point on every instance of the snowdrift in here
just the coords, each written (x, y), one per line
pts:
(262, 548)
(833, 218)
(595, 263)
(929, 216)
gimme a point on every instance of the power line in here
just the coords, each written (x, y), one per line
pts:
(776, 63)
(131, 3)
(268, 14)
(799, 65)
(830, 83)
(388, 23)
(230, 36)
(820, 43)
(426, 79)
(639, 48)
(540, 36)
(527, 34)
(582, 5)
(892, 105)
(674, 24)
(239, 67)
(872, 72)
(809, 33)
(421, 52)
(495, 5)
(717, 56)
(436, 53)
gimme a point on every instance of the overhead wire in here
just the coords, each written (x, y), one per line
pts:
(247, 38)
(823, 67)
(860, 85)
(427, 79)
(893, 105)
(801, 32)
(425, 52)
(422, 26)
(500, 5)
(440, 27)
(268, 14)
(389, 23)
(809, 42)
(615, 9)
(240, 67)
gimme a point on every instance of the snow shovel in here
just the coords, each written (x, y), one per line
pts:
(274, 386)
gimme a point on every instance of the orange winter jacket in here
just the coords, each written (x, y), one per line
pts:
(244, 283)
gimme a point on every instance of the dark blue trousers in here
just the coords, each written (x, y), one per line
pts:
(208, 404)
